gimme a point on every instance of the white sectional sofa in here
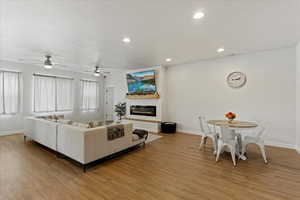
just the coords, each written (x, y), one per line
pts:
(41, 131)
(84, 145)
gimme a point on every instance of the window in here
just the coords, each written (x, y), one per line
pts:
(89, 95)
(9, 92)
(52, 94)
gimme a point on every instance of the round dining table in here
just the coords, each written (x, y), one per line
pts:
(236, 126)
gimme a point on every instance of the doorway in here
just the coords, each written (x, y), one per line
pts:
(109, 104)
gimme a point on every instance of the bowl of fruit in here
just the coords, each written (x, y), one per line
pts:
(230, 116)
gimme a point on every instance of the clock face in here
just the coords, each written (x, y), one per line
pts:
(236, 79)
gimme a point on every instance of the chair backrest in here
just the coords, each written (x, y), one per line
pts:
(203, 125)
(262, 126)
(226, 134)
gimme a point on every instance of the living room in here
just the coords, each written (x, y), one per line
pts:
(149, 99)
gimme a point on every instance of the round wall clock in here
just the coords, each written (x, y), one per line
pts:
(236, 79)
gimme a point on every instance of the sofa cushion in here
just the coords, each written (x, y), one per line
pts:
(65, 121)
(80, 125)
(93, 124)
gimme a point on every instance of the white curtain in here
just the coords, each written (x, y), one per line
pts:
(89, 95)
(9, 92)
(1, 94)
(52, 94)
(64, 92)
(44, 94)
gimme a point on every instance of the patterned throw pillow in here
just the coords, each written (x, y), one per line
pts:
(91, 124)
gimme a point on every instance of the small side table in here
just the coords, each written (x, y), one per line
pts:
(168, 127)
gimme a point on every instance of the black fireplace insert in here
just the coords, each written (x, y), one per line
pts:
(143, 110)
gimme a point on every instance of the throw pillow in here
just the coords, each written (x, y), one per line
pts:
(91, 124)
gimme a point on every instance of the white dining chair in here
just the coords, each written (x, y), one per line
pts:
(256, 137)
(207, 132)
(227, 138)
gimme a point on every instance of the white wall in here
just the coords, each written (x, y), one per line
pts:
(117, 79)
(298, 97)
(14, 123)
(201, 89)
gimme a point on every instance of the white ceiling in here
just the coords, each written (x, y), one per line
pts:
(79, 32)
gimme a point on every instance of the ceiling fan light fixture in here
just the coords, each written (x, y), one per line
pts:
(97, 71)
(48, 66)
(47, 63)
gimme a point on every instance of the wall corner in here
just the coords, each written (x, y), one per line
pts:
(298, 97)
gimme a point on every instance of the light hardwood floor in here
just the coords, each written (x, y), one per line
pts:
(170, 168)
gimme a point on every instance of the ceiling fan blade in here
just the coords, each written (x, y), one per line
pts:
(30, 60)
(31, 63)
(61, 65)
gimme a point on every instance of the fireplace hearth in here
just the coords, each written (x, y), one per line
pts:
(143, 110)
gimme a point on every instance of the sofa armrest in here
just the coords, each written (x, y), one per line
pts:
(41, 131)
(70, 142)
(82, 144)
(96, 144)
(29, 123)
(86, 145)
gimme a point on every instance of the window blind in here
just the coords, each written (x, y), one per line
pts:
(89, 95)
(52, 93)
(9, 92)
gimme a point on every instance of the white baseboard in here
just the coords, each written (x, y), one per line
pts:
(269, 143)
(298, 149)
(279, 144)
(10, 132)
(190, 131)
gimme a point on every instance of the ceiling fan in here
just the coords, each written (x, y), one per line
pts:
(46, 62)
(99, 71)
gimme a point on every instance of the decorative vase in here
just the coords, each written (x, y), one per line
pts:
(119, 120)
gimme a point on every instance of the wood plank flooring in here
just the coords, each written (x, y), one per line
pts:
(170, 168)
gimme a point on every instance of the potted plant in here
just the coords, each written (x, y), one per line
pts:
(120, 109)
(230, 116)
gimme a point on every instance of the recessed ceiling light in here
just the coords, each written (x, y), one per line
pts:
(198, 15)
(220, 50)
(169, 59)
(126, 40)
